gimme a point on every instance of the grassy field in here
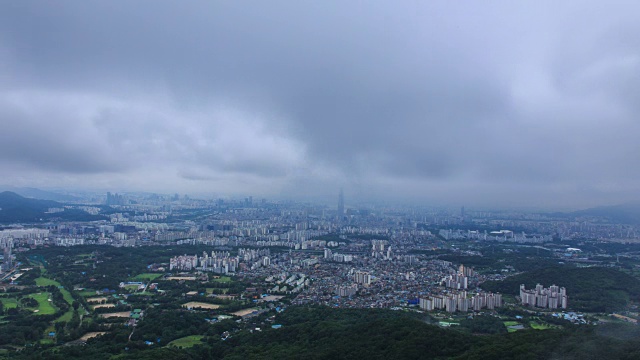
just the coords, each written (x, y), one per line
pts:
(186, 342)
(146, 276)
(9, 303)
(511, 323)
(86, 293)
(43, 281)
(44, 306)
(65, 294)
(539, 326)
(222, 279)
(66, 316)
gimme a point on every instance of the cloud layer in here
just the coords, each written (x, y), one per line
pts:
(527, 104)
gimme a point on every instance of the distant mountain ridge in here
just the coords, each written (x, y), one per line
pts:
(35, 193)
(18, 209)
(625, 213)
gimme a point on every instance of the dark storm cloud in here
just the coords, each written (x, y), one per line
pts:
(50, 140)
(492, 102)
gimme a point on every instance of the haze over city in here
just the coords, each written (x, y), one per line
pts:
(531, 104)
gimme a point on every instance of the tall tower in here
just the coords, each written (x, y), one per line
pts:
(340, 205)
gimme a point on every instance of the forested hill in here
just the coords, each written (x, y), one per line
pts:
(625, 213)
(326, 333)
(35, 193)
(18, 209)
(593, 289)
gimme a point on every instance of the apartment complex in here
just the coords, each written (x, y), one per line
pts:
(553, 297)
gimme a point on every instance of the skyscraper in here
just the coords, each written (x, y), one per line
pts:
(340, 205)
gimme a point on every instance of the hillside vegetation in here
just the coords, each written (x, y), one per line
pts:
(593, 289)
(17, 209)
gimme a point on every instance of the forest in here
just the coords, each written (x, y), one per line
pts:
(324, 333)
(593, 289)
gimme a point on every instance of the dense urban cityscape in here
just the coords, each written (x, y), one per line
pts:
(272, 255)
(324, 180)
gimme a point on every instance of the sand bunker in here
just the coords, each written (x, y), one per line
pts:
(123, 314)
(201, 305)
(244, 312)
(91, 335)
(104, 306)
(96, 299)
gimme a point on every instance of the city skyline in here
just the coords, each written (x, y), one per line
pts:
(529, 104)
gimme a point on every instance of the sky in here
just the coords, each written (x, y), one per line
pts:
(476, 103)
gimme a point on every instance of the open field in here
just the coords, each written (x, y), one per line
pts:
(123, 314)
(91, 335)
(195, 304)
(69, 299)
(539, 326)
(512, 326)
(43, 281)
(86, 293)
(44, 306)
(67, 296)
(222, 279)
(146, 276)
(9, 303)
(187, 341)
(66, 316)
(244, 312)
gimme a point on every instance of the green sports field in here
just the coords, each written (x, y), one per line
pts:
(187, 341)
(44, 305)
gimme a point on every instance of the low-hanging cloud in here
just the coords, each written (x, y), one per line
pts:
(531, 103)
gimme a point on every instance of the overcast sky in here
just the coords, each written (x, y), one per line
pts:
(477, 103)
